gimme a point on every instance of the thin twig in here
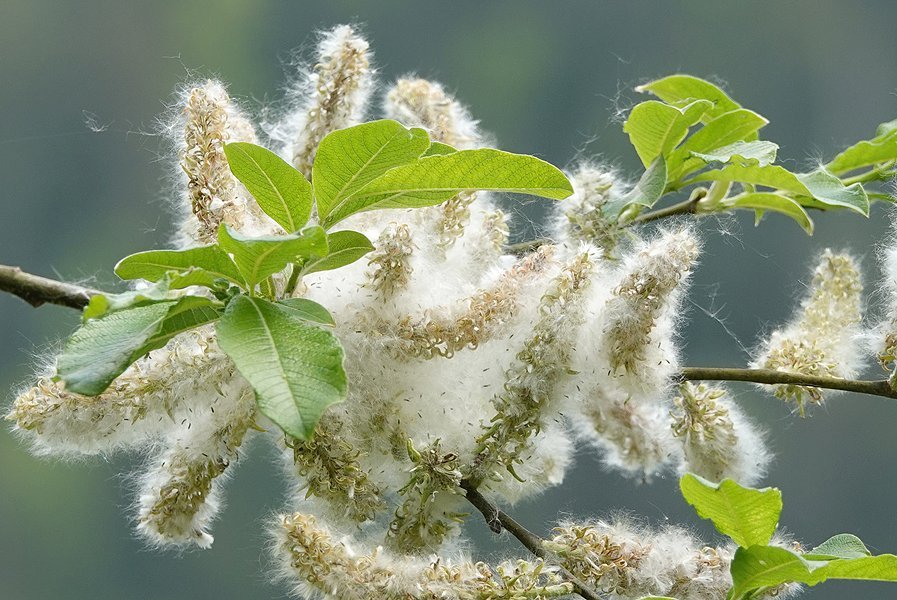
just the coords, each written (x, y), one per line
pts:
(879, 387)
(36, 290)
(686, 207)
(497, 520)
(682, 208)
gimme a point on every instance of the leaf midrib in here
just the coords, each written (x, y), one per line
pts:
(286, 207)
(337, 200)
(188, 269)
(666, 133)
(279, 360)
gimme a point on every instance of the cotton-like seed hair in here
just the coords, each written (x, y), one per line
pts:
(718, 440)
(642, 312)
(623, 560)
(586, 215)
(180, 491)
(321, 564)
(332, 95)
(824, 337)
(209, 120)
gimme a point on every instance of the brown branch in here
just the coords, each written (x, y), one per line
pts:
(36, 290)
(879, 387)
(498, 521)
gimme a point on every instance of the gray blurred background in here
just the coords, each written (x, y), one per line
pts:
(545, 77)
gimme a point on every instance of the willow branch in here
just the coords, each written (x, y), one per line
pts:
(686, 207)
(682, 208)
(879, 387)
(497, 520)
(36, 290)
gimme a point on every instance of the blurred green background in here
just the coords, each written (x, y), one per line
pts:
(545, 77)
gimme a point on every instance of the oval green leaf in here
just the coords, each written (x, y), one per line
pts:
(747, 515)
(650, 186)
(308, 310)
(758, 152)
(434, 179)
(205, 263)
(763, 567)
(738, 125)
(843, 545)
(296, 369)
(773, 176)
(280, 190)
(830, 191)
(881, 148)
(678, 89)
(656, 128)
(257, 258)
(345, 248)
(350, 158)
(760, 202)
(103, 348)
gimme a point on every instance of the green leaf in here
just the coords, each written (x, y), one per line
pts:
(772, 176)
(650, 186)
(434, 179)
(881, 148)
(349, 159)
(763, 201)
(282, 192)
(735, 126)
(188, 313)
(103, 348)
(101, 304)
(656, 128)
(199, 266)
(257, 258)
(871, 568)
(829, 190)
(886, 128)
(345, 248)
(296, 369)
(752, 153)
(762, 567)
(748, 516)
(679, 89)
(437, 148)
(308, 310)
(843, 545)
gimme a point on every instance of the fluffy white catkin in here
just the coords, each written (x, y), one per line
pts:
(824, 338)
(332, 95)
(618, 399)
(883, 339)
(624, 561)
(465, 363)
(209, 119)
(718, 440)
